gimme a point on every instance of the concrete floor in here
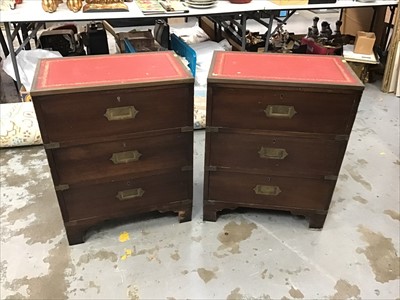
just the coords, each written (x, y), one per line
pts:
(265, 255)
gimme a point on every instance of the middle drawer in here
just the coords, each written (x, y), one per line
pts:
(270, 153)
(120, 158)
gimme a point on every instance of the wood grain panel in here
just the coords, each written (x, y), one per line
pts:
(300, 193)
(275, 154)
(77, 116)
(94, 161)
(316, 112)
(94, 201)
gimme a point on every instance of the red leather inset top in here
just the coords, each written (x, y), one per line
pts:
(99, 70)
(282, 68)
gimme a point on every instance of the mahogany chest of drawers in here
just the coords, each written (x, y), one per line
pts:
(118, 134)
(277, 130)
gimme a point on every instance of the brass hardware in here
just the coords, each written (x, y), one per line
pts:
(121, 113)
(272, 153)
(211, 168)
(125, 157)
(130, 194)
(51, 146)
(342, 137)
(280, 111)
(212, 129)
(330, 177)
(267, 190)
(61, 187)
(187, 129)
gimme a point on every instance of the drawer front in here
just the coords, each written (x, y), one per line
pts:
(122, 158)
(298, 111)
(274, 154)
(67, 117)
(127, 197)
(270, 191)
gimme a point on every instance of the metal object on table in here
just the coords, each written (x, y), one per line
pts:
(74, 5)
(105, 6)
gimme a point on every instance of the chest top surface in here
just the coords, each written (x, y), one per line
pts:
(101, 71)
(282, 68)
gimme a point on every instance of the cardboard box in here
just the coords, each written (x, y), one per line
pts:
(364, 43)
(363, 19)
(321, 1)
(290, 2)
(210, 28)
(140, 40)
(356, 19)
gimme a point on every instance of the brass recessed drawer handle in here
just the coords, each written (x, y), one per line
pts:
(125, 157)
(267, 190)
(121, 113)
(272, 153)
(130, 194)
(280, 111)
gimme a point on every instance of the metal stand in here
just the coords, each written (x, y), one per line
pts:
(239, 21)
(23, 44)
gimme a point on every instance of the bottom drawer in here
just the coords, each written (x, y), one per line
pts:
(126, 197)
(249, 190)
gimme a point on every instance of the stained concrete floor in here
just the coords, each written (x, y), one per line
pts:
(265, 255)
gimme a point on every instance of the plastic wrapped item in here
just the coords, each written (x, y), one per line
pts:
(191, 35)
(27, 60)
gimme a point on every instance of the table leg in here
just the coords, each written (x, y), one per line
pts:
(268, 35)
(243, 26)
(12, 54)
(4, 44)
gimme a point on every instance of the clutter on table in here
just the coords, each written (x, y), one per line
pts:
(51, 6)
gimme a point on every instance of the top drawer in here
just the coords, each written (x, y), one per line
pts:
(84, 115)
(279, 109)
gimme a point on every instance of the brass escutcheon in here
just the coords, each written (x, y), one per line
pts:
(129, 194)
(272, 153)
(280, 111)
(125, 157)
(121, 113)
(267, 190)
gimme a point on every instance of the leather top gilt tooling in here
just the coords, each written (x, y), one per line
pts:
(275, 67)
(96, 71)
